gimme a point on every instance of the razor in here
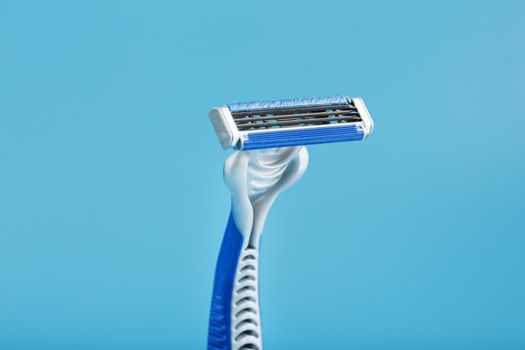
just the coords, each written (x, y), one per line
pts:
(268, 138)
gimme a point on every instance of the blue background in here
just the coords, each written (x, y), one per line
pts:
(112, 205)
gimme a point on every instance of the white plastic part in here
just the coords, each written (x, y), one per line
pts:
(368, 123)
(255, 179)
(224, 126)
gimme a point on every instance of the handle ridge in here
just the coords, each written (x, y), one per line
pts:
(219, 329)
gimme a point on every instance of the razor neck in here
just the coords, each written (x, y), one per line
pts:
(255, 179)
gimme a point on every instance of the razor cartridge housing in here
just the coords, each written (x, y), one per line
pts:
(294, 122)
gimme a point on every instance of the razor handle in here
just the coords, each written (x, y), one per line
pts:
(234, 318)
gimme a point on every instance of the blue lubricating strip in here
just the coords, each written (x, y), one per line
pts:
(291, 103)
(219, 331)
(300, 137)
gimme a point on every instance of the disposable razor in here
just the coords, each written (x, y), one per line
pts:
(268, 138)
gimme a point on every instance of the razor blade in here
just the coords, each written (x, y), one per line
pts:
(294, 122)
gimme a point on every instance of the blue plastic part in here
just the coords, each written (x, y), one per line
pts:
(291, 103)
(300, 137)
(219, 331)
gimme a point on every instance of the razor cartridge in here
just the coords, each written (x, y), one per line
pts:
(293, 122)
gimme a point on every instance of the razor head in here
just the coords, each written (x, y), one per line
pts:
(294, 122)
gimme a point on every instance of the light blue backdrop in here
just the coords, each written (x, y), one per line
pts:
(112, 205)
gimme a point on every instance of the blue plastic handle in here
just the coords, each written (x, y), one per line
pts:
(219, 331)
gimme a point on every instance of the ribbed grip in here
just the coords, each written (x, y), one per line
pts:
(235, 318)
(245, 303)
